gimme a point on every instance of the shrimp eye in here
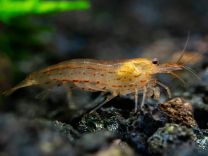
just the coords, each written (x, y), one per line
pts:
(155, 61)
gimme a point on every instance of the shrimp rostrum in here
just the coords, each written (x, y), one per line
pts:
(130, 76)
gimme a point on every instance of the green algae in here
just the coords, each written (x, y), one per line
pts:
(13, 8)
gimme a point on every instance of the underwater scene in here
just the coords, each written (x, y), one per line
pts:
(103, 78)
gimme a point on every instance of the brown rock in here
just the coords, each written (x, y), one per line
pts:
(117, 148)
(179, 111)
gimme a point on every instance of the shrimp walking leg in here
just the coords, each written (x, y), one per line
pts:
(136, 100)
(156, 93)
(108, 98)
(69, 96)
(43, 94)
(143, 98)
(165, 87)
(48, 89)
(97, 101)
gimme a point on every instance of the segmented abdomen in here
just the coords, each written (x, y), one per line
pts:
(90, 75)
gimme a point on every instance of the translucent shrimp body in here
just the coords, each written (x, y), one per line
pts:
(117, 77)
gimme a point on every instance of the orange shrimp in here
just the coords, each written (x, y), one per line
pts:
(117, 77)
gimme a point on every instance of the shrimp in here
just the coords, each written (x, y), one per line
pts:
(129, 76)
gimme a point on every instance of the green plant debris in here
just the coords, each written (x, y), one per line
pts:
(13, 8)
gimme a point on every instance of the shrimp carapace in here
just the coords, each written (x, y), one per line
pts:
(117, 77)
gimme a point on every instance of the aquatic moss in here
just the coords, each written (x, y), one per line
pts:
(13, 8)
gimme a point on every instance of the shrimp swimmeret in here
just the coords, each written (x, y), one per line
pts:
(130, 76)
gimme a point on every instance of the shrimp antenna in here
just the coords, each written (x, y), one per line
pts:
(179, 78)
(185, 46)
(191, 71)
